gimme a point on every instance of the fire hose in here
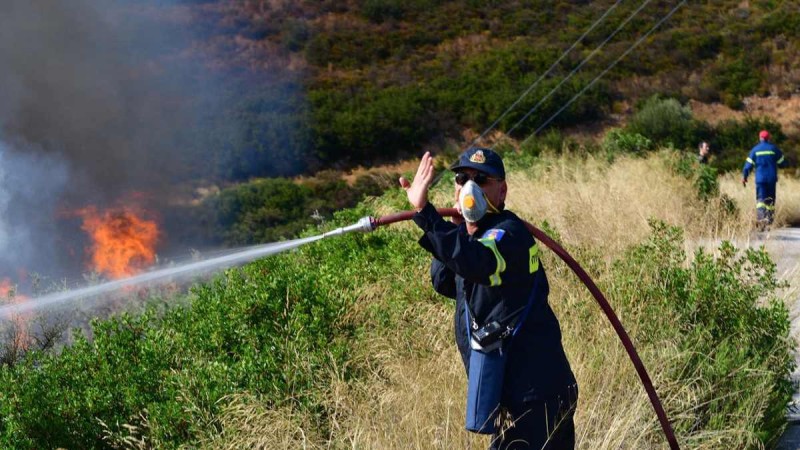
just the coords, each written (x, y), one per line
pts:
(367, 224)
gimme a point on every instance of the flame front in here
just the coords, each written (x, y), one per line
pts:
(123, 243)
(19, 338)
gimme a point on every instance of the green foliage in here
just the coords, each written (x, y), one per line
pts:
(381, 10)
(703, 176)
(734, 332)
(664, 121)
(350, 129)
(270, 209)
(620, 141)
(258, 130)
(385, 77)
(706, 184)
(732, 140)
(736, 80)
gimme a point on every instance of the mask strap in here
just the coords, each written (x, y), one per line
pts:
(492, 208)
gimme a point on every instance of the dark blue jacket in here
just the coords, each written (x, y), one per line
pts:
(766, 158)
(497, 270)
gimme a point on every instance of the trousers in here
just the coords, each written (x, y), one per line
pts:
(540, 424)
(765, 202)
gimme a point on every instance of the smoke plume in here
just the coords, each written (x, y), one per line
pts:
(98, 99)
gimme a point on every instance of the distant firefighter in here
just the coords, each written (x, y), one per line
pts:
(766, 158)
(704, 153)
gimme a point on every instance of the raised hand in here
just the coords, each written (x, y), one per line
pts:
(417, 191)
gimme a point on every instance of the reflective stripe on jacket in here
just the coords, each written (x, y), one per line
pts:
(766, 158)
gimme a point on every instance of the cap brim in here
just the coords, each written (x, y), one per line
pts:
(479, 167)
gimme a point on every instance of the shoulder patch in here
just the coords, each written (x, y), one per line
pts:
(494, 234)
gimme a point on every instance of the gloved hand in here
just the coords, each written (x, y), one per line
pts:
(744, 182)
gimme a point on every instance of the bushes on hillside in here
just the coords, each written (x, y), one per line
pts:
(271, 209)
(664, 121)
(387, 76)
(732, 140)
(620, 141)
(374, 124)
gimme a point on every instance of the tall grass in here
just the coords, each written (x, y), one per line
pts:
(787, 204)
(594, 203)
(411, 388)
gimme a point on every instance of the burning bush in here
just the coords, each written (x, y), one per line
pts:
(123, 243)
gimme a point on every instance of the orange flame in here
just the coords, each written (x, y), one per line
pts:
(5, 288)
(21, 338)
(123, 243)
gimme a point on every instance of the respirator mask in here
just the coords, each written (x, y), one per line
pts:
(473, 202)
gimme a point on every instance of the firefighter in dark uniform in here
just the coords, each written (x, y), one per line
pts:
(521, 388)
(765, 157)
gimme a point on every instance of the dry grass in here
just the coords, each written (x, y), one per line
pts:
(787, 205)
(593, 204)
(411, 392)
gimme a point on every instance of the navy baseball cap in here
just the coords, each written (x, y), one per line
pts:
(483, 159)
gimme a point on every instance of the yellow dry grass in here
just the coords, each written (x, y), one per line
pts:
(591, 203)
(787, 204)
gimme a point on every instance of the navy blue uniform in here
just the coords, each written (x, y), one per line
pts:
(765, 158)
(497, 271)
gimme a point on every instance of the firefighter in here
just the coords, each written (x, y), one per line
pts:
(520, 385)
(766, 158)
(704, 153)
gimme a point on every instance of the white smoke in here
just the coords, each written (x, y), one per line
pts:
(30, 186)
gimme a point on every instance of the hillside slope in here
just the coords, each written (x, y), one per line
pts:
(363, 81)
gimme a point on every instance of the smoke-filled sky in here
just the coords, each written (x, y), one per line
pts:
(98, 98)
(103, 85)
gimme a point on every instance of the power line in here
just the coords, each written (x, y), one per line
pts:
(547, 72)
(536, 83)
(611, 66)
(578, 67)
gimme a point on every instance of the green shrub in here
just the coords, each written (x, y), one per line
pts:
(704, 177)
(620, 141)
(664, 121)
(732, 140)
(733, 331)
(380, 10)
(737, 79)
(271, 209)
(706, 183)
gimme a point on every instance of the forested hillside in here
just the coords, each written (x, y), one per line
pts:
(318, 85)
(370, 80)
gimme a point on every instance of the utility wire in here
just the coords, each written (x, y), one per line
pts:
(536, 83)
(611, 66)
(578, 67)
(547, 72)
